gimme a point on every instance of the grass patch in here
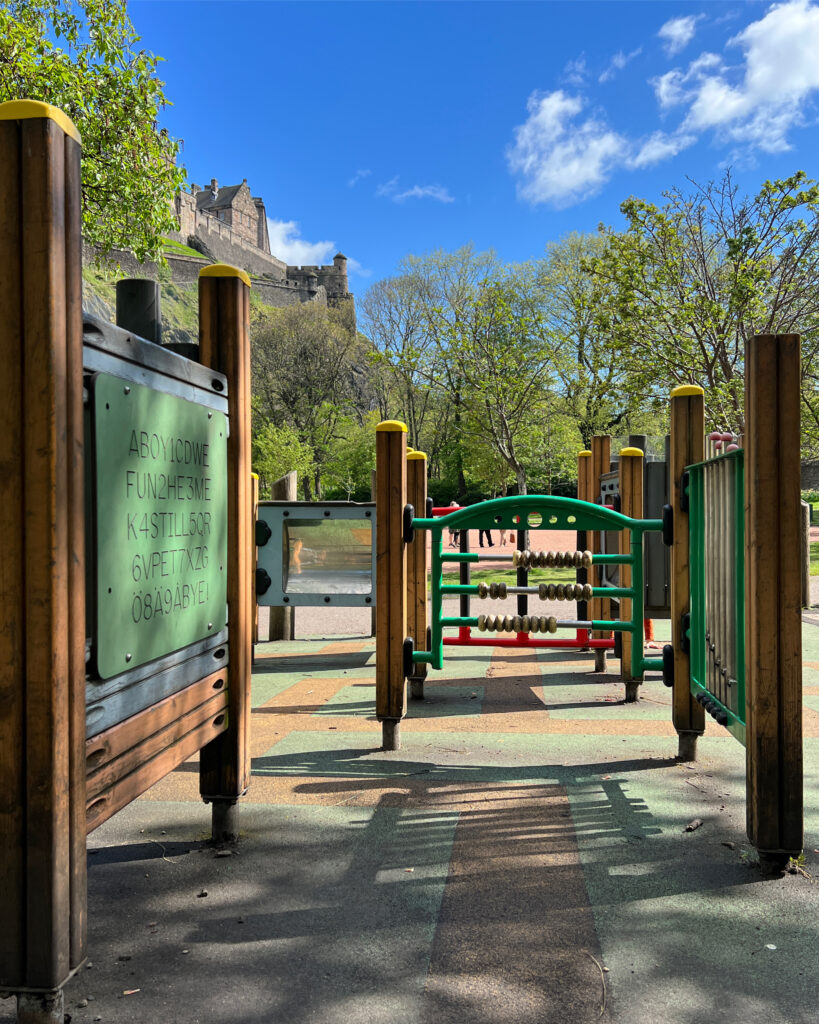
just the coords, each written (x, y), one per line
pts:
(172, 248)
(814, 558)
(510, 576)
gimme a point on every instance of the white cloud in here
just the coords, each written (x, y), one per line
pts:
(750, 98)
(575, 72)
(358, 176)
(390, 190)
(557, 160)
(658, 147)
(354, 268)
(285, 244)
(758, 101)
(677, 33)
(617, 63)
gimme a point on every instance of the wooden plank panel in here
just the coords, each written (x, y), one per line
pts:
(417, 560)
(391, 563)
(224, 332)
(790, 615)
(150, 744)
(149, 772)
(12, 621)
(113, 742)
(631, 504)
(762, 572)
(687, 426)
(600, 463)
(46, 554)
(76, 582)
(773, 621)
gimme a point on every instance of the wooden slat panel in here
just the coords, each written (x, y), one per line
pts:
(114, 742)
(77, 566)
(772, 618)
(149, 744)
(600, 463)
(391, 567)
(224, 332)
(149, 772)
(790, 615)
(631, 504)
(12, 621)
(687, 447)
(46, 554)
(417, 561)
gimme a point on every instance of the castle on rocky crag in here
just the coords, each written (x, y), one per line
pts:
(229, 224)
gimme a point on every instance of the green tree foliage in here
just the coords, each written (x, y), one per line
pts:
(309, 372)
(277, 451)
(689, 281)
(565, 300)
(83, 57)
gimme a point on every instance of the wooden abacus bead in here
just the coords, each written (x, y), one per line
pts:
(543, 624)
(482, 623)
(560, 592)
(552, 591)
(587, 591)
(493, 590)
(548, 556)
(577, 559)
(542, 591)
(552, 624)
(568, 592)
(516, 623)
(516, 558)
(586, 559)
(507, 623)
(560, 561)
(524, 623)
(483, 590)
(501, 590)
(541, 559)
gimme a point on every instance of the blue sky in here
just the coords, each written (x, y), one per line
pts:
(386, 128)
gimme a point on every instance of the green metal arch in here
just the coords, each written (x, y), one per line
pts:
(557, 514)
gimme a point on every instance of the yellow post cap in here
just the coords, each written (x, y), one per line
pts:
(583, 454)
(392, 425)
(415, 456)
(24, 110)
(685, 390)
(224, 270)
(631, 451)
(255, 476)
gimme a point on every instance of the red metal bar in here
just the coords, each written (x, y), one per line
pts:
(455, 641)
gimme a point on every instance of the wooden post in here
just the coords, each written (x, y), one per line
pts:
(687, 446)
(600, 606)
(631, 505)
(391, 574)
(42, 584)
(224, 345)
(282, 621)
(773, 623)
(417, 570)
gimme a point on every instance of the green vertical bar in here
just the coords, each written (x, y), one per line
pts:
(437, 645)
(638, 626)
(739, 526)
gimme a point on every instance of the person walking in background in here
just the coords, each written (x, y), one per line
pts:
(453, 534)
(488, 538)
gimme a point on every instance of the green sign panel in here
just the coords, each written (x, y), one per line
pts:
(161, 522)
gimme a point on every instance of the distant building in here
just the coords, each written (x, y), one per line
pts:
(229, 224)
